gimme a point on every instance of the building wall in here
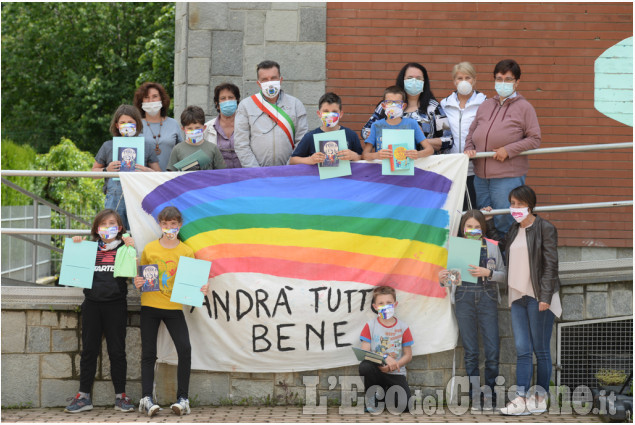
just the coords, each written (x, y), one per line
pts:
(556, 45)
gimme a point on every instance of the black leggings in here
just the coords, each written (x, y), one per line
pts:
(177, 327)
(373, 376)
(98, 319)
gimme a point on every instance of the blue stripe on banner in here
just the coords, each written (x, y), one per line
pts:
(369, 173)
(243, 205)
(304, 188)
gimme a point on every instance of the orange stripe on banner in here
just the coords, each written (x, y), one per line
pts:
(403, 266)
(325, 272)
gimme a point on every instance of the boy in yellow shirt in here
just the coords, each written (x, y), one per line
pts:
(156, 307)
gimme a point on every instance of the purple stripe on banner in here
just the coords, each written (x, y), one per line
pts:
(370, 173)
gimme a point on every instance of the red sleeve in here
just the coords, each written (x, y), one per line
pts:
(406, 338)
(365, 335)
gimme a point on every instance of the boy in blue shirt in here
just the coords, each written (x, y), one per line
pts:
(330, 112)
(394, 104)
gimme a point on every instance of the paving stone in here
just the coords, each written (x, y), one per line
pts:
(68, 320)
(313, 24)
(57, 366)
(596, 305)
(573, 307)
(245, 388)
(38, 339)
(13, 331)
(18, 387)
(198, 71)
(227, 53)
(65, 340)
(208, 16)
(428, 378)
(32, 317)
(621, 302)
(255, 27)
(281, 25)
(209, 387)
(49, 318)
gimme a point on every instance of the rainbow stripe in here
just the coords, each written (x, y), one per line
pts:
(286, 222)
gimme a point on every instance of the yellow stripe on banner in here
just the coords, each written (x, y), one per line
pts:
(361, 244)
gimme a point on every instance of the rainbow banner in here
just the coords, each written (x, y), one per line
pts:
(295, 258)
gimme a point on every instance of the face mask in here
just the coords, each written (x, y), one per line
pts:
(413, 86)
(270, 89)
(519, 214)
(128, 129)
(504, 89)
(228, 107)
(464, 88)
(194, 137)
(170, 234)
(394, 111)
(108, 232)
(330, 119)
(473, 233)
(386, 311)
(152, 108)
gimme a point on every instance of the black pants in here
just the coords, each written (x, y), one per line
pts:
(109, 319)
(471, 193)
(177, 327)
(373, 376)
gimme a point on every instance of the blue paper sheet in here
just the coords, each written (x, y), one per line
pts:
(78, 263)
(393, 137)
(344, 168)
(463, 252)
(191, 275)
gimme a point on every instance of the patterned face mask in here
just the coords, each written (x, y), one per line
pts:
(393, 109)
(386, 311)
(194, 137)
(170, 234)
(108, 232)
(330, 119)
(473, 233)
(128, 129)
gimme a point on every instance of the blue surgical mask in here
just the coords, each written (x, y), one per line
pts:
(504, 90)
(413, 86)
(228, 107)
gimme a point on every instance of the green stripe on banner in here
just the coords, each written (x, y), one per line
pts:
(389, 228)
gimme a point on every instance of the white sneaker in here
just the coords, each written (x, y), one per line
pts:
(181, 407)
(516, 407)
(147, 406)
(536, 406)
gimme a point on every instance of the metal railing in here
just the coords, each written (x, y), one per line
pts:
(19, 232)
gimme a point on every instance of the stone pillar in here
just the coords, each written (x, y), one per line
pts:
(223, 42)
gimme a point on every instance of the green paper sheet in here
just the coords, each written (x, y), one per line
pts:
(344, 169)
(391, 137)
(78, 263)
(461, 253)
(191, 275)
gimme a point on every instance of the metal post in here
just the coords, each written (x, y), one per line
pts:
(35, 226)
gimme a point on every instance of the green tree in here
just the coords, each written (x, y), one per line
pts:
(16, 157)
(67, 66)
(80, 196)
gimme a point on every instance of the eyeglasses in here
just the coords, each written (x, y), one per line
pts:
(388, 103)
(506, 80)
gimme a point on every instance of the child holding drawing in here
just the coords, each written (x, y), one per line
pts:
(156, 307)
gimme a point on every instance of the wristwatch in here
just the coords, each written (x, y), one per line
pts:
(491, 272)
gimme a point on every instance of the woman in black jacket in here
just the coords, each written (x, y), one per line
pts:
(532, 253)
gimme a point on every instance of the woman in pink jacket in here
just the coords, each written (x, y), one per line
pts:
(506, 125)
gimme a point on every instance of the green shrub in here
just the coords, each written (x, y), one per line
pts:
(17, 157)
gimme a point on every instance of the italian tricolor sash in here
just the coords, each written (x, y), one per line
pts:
(277, 115)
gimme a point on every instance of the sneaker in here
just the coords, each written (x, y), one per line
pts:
(371, 405)
(181, 407)
(488, 404)
(147, 406)
(79, 404)
(124, 403)
(516, 407)
(536, 407)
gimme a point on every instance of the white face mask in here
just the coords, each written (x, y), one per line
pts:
(464, 88)
(270, 89)
(152, 108)
(504, 90)
(519, 214)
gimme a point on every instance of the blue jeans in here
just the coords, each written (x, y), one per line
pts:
(115, 201)
(476, 309)
(532, 334)
(495, 193)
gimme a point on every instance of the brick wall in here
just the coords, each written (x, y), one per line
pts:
(556, 45)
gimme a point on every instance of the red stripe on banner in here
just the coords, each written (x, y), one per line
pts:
(276, 119)
(313, 271)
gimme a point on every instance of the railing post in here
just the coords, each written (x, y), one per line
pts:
(35, 226)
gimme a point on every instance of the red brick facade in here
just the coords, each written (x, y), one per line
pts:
(555, 44)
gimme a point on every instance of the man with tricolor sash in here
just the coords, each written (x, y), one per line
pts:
(270, 123)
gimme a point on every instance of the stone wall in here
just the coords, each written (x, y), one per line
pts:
(223, 42)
